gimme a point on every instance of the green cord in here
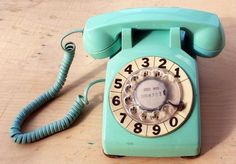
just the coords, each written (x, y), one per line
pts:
(69, 33)
(89, 86)
(59, 125)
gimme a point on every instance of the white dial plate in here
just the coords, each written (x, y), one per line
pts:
(151, 96)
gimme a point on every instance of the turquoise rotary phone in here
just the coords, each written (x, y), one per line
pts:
(151, 99)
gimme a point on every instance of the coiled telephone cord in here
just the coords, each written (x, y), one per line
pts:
(59, 125)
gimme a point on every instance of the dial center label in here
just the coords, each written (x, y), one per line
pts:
(150, 94)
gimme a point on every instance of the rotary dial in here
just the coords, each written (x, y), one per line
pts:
(151, 96)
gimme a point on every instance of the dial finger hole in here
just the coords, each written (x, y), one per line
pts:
(143, 116)
(145, 73)
(159, 73)
(154, 115)
(133, 110)
(168, 109)
(128, 88)
(128, 100)
(134, 79)
(156, 73)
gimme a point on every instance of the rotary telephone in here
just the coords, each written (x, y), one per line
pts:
(151, 99)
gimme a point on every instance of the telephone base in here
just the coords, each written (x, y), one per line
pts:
(118, 137)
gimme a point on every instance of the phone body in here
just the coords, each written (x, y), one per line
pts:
(151, 100)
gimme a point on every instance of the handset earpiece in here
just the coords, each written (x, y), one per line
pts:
(208, 42)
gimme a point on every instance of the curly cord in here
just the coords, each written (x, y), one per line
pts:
(59, 125)
(69, 33)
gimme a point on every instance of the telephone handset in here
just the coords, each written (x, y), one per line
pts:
(151, 98)
(102, 33)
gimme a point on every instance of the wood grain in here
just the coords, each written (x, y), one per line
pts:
(29, 59)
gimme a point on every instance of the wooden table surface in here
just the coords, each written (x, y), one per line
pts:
(30, 56)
